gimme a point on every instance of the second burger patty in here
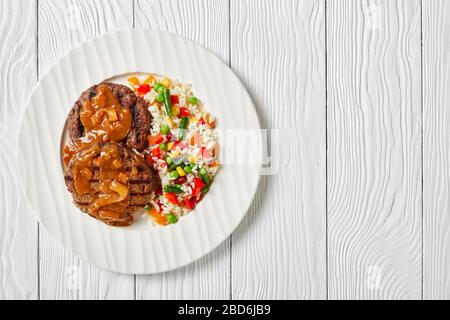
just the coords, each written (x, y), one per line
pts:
(140, 185)
(140, 129)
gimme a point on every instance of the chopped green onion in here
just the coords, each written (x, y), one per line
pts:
(172, 189)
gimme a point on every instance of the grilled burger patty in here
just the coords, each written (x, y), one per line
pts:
(140, 129)
(107, 178)
(143, 180)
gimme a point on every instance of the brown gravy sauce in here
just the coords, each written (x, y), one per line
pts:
(97, 157)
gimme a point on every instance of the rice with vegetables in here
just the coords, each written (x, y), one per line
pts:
(182, 147)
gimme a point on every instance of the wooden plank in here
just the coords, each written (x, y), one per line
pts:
(436, 155)
(374, 149)
(62, 26)
(205, 22)
(278, 51)
(18, 74)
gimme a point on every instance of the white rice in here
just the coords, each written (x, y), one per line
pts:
(195, 128)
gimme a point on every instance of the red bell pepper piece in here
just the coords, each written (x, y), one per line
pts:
(156, 152)
(190, 203)
(198, 186)
(174, 99)
(171, 197)
(184, 112)
(205, 152)
(143, 89)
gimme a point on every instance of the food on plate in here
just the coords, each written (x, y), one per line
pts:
(110, 182)
(182, 146)
(106, 175)
(126, 119)
(150, 146)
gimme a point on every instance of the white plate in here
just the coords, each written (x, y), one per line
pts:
(141, 248)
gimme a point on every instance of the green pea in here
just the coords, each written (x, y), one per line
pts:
(171, 218)
(174, 174)
(205, 189)
(169, 160)
(193, 100)
(163, 146)
(160, 98)
(161, 90)
(164, 129)
(187, 169)
(156, 86)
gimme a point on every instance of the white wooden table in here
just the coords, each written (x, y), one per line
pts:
(359, 90)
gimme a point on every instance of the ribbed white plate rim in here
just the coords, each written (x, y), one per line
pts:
(121, 249)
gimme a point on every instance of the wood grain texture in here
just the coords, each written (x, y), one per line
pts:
(64, 25)
(205, 22)
(18, 227)
(278, 51)
(436, 146)
(374, 149)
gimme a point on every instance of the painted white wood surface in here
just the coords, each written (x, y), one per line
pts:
(436, 146)
(369, 52)
(205, 22)
(374, 149)
(64, 25)
(278, 51)
(18, 227)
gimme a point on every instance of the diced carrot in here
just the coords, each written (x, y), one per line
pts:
(158, 217)
(171, 197)
(149, 79)
(155, 139)
(133, 81)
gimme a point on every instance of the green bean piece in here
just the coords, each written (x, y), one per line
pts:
(183, 126)
(172, 189)
(204, 175)
(168, 102)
